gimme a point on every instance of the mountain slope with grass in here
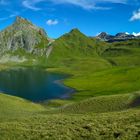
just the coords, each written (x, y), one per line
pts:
(83, 120)
(105, 76)
(13, 107)
(125, 53)
(77, 51)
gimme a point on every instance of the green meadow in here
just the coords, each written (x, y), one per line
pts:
(105, 105)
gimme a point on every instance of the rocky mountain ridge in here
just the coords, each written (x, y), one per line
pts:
(22, 34)
(114, 38)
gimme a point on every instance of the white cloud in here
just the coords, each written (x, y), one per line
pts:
(85, 4)
(31, 4)
(136, 34)
(135, 16)
(89, 4)
(52, 22)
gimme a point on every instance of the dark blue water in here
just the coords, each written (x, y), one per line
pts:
(33, 84)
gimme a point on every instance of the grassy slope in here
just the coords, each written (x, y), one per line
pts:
(123, 53)
(108, 126)
(102, 104)
(107, 82)
(30, 121)
(14, 107)
(75, 49)
(95, 72)
(99, 104)
(111, 70)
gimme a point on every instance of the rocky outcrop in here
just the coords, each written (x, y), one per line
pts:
(22, 34)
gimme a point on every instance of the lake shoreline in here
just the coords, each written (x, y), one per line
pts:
(30, 77)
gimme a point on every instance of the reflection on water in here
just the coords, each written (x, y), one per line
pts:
(33, 84)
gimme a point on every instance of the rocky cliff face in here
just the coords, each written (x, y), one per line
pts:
(22, 34)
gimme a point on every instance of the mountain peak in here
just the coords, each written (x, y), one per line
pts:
(104, 36)
(75, 30)
(22, 34)
(121, 34)
(21, 20)
(22, 24)
(18, 18)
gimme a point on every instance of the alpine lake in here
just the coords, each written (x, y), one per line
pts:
(34, 84)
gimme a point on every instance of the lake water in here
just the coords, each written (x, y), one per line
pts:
(33, 84)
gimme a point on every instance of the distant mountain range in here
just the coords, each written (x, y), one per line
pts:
(118, 37)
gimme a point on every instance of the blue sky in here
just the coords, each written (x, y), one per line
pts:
(60, 16)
